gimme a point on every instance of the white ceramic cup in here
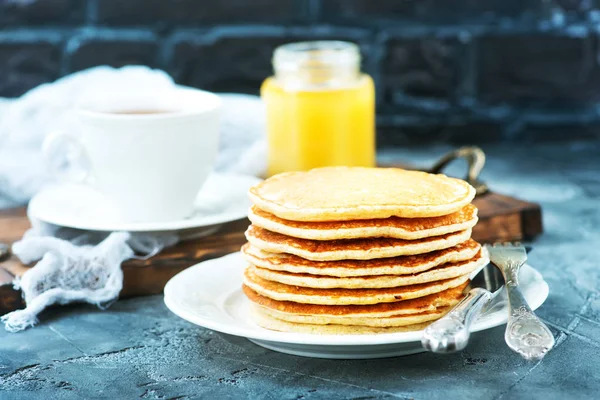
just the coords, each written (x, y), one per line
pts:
(149, 165)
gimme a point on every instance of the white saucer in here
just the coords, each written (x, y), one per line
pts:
(223, 198)
(209, 294)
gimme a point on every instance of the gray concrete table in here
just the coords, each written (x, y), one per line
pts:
(138, 349)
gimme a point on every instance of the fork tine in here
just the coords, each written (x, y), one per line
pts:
(511, 244)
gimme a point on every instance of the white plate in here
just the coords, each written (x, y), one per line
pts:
(223, 198)
(209, 294)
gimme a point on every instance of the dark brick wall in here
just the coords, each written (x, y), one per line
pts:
(460, 70)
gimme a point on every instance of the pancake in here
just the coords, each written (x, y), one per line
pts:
(446, 298)
(282, 292)
(443, 272)
(268, 322)
(355, 249)
(392, 227)
(385, 322)
(342, 268)
(348, 193)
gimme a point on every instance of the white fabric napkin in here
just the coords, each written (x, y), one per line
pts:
(86, 267)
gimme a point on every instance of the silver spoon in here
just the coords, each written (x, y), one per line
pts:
(451, 332)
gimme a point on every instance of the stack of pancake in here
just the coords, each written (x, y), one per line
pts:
(349, 250)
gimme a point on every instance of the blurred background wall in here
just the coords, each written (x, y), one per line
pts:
(455, 70)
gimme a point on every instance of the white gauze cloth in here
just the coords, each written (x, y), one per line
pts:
(86, 267)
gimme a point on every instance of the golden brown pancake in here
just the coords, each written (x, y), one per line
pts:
(275, 324)
(282, 292)
(345, 268)
(392, 227)
(442, 272)
(348, 193)
(355, 249)
(442, 299)
(380, 322)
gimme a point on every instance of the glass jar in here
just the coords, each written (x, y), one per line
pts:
(320, 108)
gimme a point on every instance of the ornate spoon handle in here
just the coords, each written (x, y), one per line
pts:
(451, 332)
(525, 332)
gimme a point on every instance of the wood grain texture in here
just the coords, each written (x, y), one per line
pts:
(504, 218)
(501, 218)
(150, 276)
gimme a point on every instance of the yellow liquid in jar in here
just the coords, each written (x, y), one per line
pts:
(317, 128)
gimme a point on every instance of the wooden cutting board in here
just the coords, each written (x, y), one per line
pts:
(501, 218)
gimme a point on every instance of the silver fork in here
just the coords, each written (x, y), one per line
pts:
(525, 332)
